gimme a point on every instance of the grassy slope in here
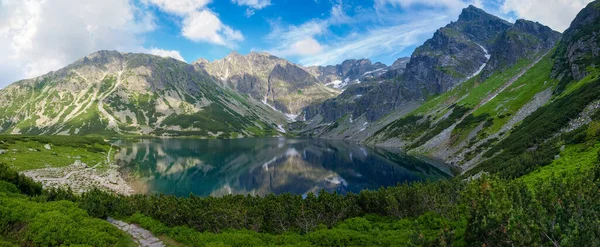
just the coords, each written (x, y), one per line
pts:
(469, 95)
(28, 152)
(513, 98)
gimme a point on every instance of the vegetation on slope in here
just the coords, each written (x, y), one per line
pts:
(533, 143)
(30, 216)
(29, 152)
(488, 211)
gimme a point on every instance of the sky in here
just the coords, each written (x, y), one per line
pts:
(39, 36)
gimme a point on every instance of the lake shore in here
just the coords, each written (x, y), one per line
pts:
(80, 178)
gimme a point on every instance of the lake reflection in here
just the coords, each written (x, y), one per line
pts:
(261, 166)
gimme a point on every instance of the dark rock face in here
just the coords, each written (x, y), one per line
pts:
(400, 63)
(249, 84)
(525, 39)
(282, 75)
(580, 45)
(372, 99)
(454, 53)
(479, 26)
(349, 71)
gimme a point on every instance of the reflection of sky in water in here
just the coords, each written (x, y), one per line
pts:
(261, 166)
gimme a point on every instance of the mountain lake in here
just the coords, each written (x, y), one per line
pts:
(260, 166)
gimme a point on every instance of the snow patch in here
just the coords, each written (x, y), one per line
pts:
(373, 71)
(291, 117)
(337, 180)
(281, 129)
(487, 57)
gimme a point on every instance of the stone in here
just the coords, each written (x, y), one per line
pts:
(112, 178)
(47, 147)
(2, 151)
(140, 235)
(79, 164)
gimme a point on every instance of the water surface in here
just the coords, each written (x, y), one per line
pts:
(261, 166)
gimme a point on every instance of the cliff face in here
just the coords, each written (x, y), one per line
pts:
(473, 48)
(580, 45)
(524, 40)
(349, 72)
(279, 83)
(455, 53)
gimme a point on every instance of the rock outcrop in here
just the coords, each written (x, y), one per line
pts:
(524, 40)
(349, 72)
(579, 46)
(283, 85)
(461, 50)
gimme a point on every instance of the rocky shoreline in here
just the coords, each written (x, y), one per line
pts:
(81, 178)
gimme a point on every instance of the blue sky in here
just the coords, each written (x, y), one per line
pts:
(312, 32)
(38, 36)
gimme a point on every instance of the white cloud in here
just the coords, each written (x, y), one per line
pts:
(301, 40)
(179, 7)
(206, 26)
(389, 32)
(304, 47)
(255, 4)
(445, 7)
(38, 36)
(166, 53)
(338, 16)
(378, 41)
(199, 23)
(556, 14)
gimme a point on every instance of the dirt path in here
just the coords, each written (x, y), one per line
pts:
(140, 235)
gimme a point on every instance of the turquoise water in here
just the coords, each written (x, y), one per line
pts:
(260, 166)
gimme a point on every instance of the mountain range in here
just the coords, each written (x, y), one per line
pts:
(465, 96)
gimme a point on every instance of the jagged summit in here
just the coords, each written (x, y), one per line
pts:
(472, 13)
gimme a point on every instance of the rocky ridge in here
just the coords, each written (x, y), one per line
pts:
(111, 93)
(277, 82)
(472, 48)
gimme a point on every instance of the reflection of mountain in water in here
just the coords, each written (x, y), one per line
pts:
(264, 165)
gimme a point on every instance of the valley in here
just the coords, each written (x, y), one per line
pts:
(488, 135)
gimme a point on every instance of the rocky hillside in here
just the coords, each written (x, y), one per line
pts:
(353, 71)
(477, 48)
(580, 47)
(536, 112)
(109, 92)
(277, 82)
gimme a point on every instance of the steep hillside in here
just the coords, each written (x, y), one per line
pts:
(277, 82)
(479, 51)
(116, 93)
(535, 116)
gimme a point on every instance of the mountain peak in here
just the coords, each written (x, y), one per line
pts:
(473, 13)
(260, 53)
(233, 54)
